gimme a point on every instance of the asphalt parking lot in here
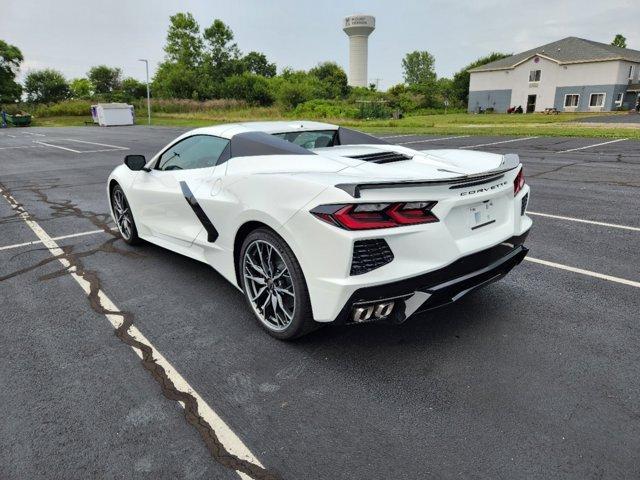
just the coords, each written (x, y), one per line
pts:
(535, 376)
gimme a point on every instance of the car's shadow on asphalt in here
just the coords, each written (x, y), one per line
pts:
(436, 326)
(478, 314)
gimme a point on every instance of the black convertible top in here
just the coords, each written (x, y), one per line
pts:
(250, 144)
(346, 136)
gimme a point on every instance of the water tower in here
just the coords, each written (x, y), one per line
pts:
(358, 28)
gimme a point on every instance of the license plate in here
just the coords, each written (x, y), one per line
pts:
(481, 214)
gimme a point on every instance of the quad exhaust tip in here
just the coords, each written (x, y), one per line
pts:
(375, 311)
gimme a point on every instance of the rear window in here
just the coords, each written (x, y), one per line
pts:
(311, 139)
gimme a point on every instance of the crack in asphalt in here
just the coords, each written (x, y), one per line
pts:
(169, 390)
(553, 170)
(61, 209)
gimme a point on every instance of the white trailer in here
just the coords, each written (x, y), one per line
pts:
(112, 114)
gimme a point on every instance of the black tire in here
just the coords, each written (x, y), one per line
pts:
(301, 321)
(128, 231)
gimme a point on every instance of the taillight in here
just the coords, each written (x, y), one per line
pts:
(369, 216)
(518, 183)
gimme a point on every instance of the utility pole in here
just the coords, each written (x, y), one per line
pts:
(146, 62)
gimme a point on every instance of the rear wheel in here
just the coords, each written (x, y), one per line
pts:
(274, 286)
(123, 216)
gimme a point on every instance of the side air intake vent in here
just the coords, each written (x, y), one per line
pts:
(369, 255)
(382, 157)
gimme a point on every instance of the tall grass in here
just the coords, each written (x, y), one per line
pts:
(83, 107)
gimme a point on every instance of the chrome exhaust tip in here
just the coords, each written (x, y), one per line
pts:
(374, 311)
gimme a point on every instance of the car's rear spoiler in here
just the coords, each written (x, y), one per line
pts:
(509, 162)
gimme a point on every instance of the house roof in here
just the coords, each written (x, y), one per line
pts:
(567, 50)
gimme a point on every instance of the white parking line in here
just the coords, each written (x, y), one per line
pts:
(498, 143)
(589, 273)
(398, 136)
(96, 143)
(61, 237)
(591, 146)
(434, 139)
(592, 222)
(57, 146)
(34, 134)
(22, 146)
(112, 148)
(227, 437)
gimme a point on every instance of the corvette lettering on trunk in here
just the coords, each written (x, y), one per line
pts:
(484, 189)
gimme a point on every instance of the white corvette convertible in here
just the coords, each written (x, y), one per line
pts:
(317, 223)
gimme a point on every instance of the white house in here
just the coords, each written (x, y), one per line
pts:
(572, 74)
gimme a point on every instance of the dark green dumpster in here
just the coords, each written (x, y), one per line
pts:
(19, 120)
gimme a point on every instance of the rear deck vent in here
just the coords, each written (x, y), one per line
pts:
(369, 255)
(382, 157)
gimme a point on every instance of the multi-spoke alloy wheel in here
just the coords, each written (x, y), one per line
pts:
(123, 216)
(269, 285)
(274, 285)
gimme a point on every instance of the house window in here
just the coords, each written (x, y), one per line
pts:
(630, 72)
(534, 76)
(571, 100)
(596, 100)
(619, 99)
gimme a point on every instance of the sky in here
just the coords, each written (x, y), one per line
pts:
(73, 35)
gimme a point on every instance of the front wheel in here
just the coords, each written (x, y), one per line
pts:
(274, 286)
(123, 216)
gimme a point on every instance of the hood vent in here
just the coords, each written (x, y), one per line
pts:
(382, 157)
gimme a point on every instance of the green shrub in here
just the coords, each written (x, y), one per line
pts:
(373, 109)
(175, 105)
(65, 108)
(325, 109)
(249, 87)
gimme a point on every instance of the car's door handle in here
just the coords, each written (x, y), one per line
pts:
(217, 187)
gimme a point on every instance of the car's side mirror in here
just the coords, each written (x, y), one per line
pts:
(135, 162)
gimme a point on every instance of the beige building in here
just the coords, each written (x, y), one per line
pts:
(572, 74)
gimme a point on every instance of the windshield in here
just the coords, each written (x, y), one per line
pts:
(310, 139)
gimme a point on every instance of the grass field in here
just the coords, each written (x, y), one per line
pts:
(566, 124)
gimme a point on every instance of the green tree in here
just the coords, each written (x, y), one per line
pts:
(292, 88)
(46, 86)
(418, 68)
(444, 87)
(619, 41)
(81, 88)
(132, 89)
(184, 43)
(249, 87)
(460, 88)
(175, 80)
(181, 74)
(105, 79)
(10, 60)
(256, 62)
(402, 97)
(221, 57)
(333, 78)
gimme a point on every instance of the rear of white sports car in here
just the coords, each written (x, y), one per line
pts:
(383, 246)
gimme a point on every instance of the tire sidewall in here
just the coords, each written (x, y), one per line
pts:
(302, 321)
(134, 239)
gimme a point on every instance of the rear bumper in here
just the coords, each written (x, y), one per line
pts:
(440, 287)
